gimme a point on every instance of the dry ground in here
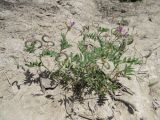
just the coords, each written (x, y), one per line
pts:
(21, 20)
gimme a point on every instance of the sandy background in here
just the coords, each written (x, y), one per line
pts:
(21, 20)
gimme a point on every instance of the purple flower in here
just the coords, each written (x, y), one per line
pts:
(119, 29)
(122, 31)
(72, 24)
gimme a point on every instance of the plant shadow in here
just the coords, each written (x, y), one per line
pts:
(78, 91)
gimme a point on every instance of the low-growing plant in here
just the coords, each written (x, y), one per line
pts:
(30, 48)
(97, 66)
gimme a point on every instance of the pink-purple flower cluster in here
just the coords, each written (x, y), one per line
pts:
(120, 30)
(72, 24)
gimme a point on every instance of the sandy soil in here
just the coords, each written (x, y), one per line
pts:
(22, 20)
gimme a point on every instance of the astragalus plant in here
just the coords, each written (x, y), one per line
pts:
(97, 65)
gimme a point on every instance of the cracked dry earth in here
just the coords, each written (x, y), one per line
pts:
(22, 20)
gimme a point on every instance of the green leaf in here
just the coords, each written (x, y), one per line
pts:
(92, 36)
(34, 64)
(64, 43)
(30, 48)
(49, 53)
(102, 29)
(133, 60)
(81, 46)
(128, 71)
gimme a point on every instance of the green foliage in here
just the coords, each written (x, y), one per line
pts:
(81, 71)
(102, 29)
(34, 64)
(128, 71)
(50, 53)
(132, 60)
(30, 48)
(64, 42)
(92, 36)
